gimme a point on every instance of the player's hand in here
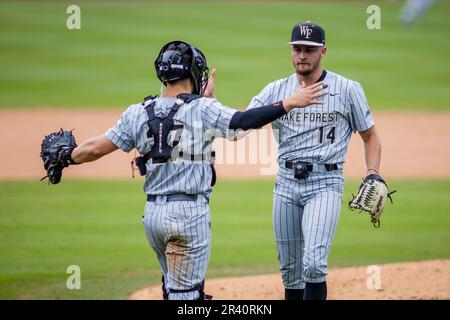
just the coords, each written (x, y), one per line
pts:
(209, 91)
(305, 96)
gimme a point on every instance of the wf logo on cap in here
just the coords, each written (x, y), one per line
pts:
(308, 34)
(305, 31)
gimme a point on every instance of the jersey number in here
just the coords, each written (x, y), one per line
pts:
(330, 135)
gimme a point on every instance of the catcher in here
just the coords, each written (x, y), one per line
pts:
(174, 133)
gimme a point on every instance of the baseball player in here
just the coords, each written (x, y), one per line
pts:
(174, 134)
(312, 143)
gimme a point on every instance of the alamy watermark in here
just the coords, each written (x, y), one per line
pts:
(374, 277)
(255, 147)
(73, 21)
(373, 21)
(73, 281)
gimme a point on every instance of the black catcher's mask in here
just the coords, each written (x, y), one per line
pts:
(178, 60)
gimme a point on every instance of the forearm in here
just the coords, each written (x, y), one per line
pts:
(372, 148)
(92, 149)
(84, 153)
(257, 117)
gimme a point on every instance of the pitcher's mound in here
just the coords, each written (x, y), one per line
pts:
(411, 280)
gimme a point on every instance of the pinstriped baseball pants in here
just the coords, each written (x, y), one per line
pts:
(180, 234)
(305, 216)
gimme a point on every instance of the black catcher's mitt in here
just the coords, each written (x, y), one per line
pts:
(56, 149)
(371, 197)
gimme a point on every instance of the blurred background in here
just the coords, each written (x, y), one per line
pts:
(51, 77)
(108, 63)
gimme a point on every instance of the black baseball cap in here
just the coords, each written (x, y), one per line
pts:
(308, 34)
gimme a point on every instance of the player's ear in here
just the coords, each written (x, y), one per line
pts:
(323, 50)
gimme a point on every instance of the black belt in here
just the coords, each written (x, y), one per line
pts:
(174, 197)
(329, 167)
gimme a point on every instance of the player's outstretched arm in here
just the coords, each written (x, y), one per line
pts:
(258, 117)
(59, 150)
(93, 149)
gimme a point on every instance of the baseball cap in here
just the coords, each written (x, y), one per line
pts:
(308, 34)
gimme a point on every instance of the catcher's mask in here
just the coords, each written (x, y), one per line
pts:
(179, 60)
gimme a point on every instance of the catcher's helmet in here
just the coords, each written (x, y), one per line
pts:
(178, 60)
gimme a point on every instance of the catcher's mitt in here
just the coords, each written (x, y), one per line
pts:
(371, 197)
(56, 149)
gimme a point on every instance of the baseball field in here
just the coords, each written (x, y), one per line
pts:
(54, 77)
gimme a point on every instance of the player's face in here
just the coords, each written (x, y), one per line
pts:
(306, 59)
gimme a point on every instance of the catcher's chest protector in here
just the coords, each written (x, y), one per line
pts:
(160, 128)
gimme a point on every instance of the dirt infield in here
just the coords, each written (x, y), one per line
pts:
(399, 281)
(415, 145)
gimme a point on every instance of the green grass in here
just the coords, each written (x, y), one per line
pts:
(109, 62)
(97, 226)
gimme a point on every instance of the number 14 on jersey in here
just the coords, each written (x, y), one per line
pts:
(329, 135)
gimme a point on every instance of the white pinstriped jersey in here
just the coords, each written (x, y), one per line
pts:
(318, 133)
(203, 119)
